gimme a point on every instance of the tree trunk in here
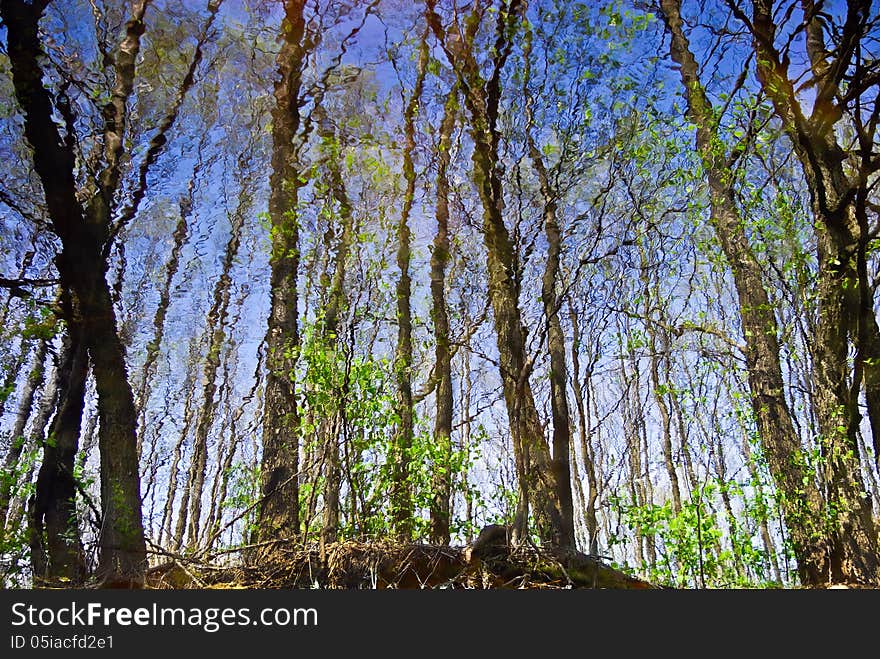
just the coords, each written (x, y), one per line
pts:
(560, 466)
(279, 507)
(585, 432)
(535, 476)
(401, 494)
(632, 423)
(442, 480)
(56, 548)
(846, 536)
(81, 264)
(467, 388)
(803, 505)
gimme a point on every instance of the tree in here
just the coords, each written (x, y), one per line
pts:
(56, 547)
(536, 481)
(330, 316)
(552, 303)
(401, 497)
(279, 506)
(802, 500)
(442, 486)
(84, 229)
(845, 298)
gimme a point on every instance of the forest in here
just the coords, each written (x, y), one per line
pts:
(581, 293)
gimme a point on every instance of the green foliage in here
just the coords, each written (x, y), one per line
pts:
(40, 324)
(427, 460)
(692, 549)
(353, 395)
(353, 390)
(242, 495)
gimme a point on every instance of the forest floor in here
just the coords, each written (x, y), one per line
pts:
(488, 563)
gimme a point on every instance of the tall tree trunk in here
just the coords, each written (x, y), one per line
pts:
(329, 330)
(83, 232)
(632, 422)
(467, 388)
(552, 303)
(848, 537)
(535, 476)
(56, 548)
(803, 505)
(401, 494)
(442, 479)
(556, 347)
(279, 506)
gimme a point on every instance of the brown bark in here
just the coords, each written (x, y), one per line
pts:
(561, 443)
(442, 481)
(401, 494)
(279, 507)
(83, 232)
(536, 480)
(847, 537)
(802, 501)
(631, 413)
(559, 402)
